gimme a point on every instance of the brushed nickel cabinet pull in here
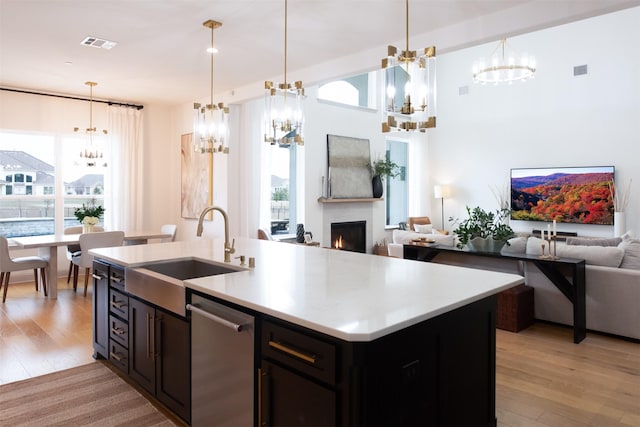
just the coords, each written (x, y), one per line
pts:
(295, 353)
(118, 304)
(116, 279)
(97, 277)
(115, 356)
(117, 331)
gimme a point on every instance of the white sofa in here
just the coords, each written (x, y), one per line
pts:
(612, 279)
(612, 276)
(403, 237)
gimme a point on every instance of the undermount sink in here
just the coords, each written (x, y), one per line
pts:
(161, 282)
(184, 269)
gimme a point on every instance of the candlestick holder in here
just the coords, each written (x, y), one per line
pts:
(553, 239)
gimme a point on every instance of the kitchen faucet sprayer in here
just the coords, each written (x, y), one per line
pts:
(228, 248)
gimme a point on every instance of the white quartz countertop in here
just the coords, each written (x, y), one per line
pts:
(347, 295)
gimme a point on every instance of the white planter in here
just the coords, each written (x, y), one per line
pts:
(619, 224)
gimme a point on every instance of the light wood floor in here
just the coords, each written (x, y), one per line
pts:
(543, 379)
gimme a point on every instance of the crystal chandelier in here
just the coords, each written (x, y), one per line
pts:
(91, 152)
(284, 118)
(504, 66)
(409, 88)
(210, 122)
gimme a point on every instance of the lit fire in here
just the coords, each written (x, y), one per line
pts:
(338, 243)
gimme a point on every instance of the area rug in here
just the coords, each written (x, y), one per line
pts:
(87, 395)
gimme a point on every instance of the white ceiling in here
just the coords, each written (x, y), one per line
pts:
(161, 58)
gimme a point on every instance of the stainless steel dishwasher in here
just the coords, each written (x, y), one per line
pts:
(222, 364)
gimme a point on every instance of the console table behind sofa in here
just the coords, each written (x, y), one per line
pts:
(567, 274)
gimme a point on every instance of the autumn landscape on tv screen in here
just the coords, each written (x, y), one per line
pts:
(576, 195)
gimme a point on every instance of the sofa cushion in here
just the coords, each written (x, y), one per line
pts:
(404, 237)
(516, 245)
(594, 241)
(631, 257)
(423, 228)
(607, 256)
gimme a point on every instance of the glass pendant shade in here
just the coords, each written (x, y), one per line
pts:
(210, 128)
(409, 90)
(284, 116)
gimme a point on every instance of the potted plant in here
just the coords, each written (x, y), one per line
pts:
(483, 231)
(89, 215)
(379, 169)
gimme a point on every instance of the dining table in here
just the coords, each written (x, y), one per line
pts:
(47, 246)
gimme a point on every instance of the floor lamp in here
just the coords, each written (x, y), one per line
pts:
(441, 192)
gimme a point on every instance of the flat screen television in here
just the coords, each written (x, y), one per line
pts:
(580, 195)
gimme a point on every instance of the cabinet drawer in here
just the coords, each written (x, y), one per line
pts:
(119, 304)
(119, 331)
(119, 356)
(116, 279)
(304, 353)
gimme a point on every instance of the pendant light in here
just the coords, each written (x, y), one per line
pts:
(284, 117)
(210, 121)
(409, 87)
(504, 66)
(91, 154)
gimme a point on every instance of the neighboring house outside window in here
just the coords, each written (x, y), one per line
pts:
(43, 183)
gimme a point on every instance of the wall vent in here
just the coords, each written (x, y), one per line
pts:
(98, 43)
(580, 70)
(463, 90)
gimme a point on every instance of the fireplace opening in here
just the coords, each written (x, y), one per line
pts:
(349, 236)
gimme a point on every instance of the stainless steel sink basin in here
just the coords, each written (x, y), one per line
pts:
(189, 268)
(161, 282)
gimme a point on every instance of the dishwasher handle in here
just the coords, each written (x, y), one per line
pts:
(235, 326)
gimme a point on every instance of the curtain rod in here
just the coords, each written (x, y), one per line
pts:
(118, 104)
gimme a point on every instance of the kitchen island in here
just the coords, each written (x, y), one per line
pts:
(345, 338)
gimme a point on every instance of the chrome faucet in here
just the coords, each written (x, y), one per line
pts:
(228, 248)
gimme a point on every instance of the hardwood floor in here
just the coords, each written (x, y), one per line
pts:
(543, 379)
(40, 335)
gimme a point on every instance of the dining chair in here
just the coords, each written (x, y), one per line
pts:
(72, 249)
(169, 229)
(84, 259)
(8, 265)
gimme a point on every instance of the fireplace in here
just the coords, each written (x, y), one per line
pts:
(349, 236)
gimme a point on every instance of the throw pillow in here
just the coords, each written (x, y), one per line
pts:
(517, 245)
(631, 249)
(423, 228)
(594, 241)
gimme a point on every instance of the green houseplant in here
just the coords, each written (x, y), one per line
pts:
(483, 231)
(379, 169)
(89, 214)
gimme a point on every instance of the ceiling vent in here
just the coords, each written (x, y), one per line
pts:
(580, 70)
(98, 43)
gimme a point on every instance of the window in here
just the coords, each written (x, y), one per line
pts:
(396, 188)
(45, 182)
(358, 91)
(283, 189)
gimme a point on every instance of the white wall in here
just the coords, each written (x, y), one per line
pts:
(554, 120)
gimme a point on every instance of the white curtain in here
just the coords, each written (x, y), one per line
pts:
(247, 176)
(125, 201)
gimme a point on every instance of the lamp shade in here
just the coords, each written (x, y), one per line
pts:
(441, 191)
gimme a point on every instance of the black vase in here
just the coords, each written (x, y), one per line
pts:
(377, 186)
(300, 233)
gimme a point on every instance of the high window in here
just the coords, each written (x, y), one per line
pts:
(357, 91)
(44, 183)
